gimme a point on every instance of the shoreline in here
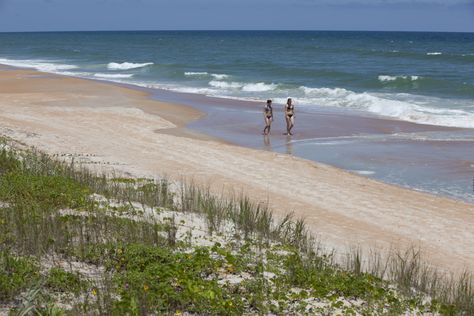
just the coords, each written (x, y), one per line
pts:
(220, 114)
(338, 206)
(347, 139)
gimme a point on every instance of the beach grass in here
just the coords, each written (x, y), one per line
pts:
(76, 242)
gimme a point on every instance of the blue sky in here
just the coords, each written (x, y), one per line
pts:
(402, 15)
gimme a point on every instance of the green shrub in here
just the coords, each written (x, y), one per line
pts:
(59, 280)
(157, 280)
(50, 192)
(8, 161)
(16, 274)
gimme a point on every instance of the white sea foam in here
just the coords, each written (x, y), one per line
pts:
(259, 87)
(418, 109)
(205, 74)
(220, 76)
(364, 172)
(245, 87)
(433, 136)
(434, 53)
(194, 74)
(76, 74)
(225, 85)
(385, 78)
(113, 76)
(41, 65)
(383, 104)
(126, 65)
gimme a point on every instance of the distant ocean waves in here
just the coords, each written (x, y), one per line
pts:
(41, 65)
(404, 107)
(127, 66)
(386, 78)
(113, 76)
(408, 107)
(205, 74)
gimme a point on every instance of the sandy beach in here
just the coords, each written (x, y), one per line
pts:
(123, 129)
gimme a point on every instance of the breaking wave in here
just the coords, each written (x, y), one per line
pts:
(386, 105)
(194, 74)
(126, 66)
(113, 76)
(46, 66)
(385, 78)
(245, 87)
(205, 74)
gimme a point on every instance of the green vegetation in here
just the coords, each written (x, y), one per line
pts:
(59, 280)
(142, 251)
(158, 280)
(16, 275)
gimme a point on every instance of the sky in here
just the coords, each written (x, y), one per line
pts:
(379, 15)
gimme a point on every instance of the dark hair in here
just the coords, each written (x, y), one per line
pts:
(269, 101)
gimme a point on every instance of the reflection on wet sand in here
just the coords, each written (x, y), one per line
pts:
(266, 142)
(289, 145)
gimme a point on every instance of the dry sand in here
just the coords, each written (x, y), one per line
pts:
(125, 130)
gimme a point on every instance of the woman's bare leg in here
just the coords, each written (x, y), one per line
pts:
(291, 124)
(287, 125)
(268, 123)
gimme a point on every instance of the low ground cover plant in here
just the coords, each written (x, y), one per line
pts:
(76, 242)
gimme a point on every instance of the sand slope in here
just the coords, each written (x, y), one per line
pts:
(120, 128)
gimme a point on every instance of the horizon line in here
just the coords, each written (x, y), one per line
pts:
(235, 30)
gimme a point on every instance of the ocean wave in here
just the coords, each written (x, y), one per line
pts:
(386, 105)
(78, 74)
(198, 73)
(225, 85)
(259, 87)
(417, 109)
(113, 76)
(434, 53)
(385, 78)
(178, 88)
(46, 66)
(205, 74)
(220, 76)
(245, 87)
(126, 65)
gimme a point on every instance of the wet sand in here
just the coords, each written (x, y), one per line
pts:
(429, 158)
(114, 127)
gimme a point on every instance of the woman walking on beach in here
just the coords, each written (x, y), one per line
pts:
(289, 116)
(268, 115)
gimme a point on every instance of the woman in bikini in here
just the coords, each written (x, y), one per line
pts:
(289, 116)
(268, 115)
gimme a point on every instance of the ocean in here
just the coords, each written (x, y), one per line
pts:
(418, 77)
(425, 78)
